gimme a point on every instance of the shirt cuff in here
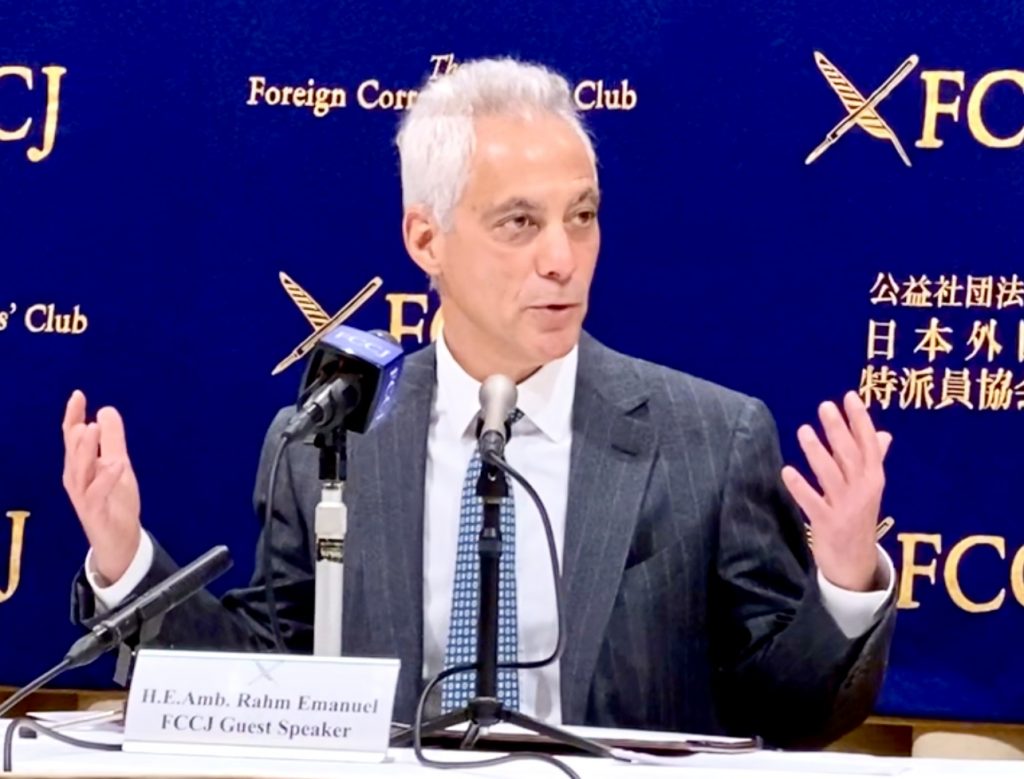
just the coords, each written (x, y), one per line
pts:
(857, 612)
(110, 596)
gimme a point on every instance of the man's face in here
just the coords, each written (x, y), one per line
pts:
(514, 271)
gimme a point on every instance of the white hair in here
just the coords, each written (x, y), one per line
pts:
(436, 138)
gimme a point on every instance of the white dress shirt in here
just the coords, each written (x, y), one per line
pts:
(539, 449)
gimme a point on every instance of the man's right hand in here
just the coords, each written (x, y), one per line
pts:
(98, 478)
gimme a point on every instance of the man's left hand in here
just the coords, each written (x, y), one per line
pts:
(844, 514)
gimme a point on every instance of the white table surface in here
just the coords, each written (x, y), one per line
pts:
(45, 757)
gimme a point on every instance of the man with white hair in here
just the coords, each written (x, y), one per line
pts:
(693, 602)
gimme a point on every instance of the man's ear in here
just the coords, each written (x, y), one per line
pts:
(422, 237)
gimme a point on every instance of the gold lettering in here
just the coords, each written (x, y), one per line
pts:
(979, 291)
(443, 64)
(398, 327)
(49, 321)
(325, 99)
(948, 294)
(320, 99)
(435, 326)
(30, 325)
(361, 93)
(17, 542)
(878, 384)
(885, 290)
(974, 119)
(53, 76)
(951, 573)
(934, 107)
(589, 102)
(933, 341)
(918, 388)
(1010, 292)
(911, 569)
(918, 293)
(956, 388)
(25, 74)
(983, 335)
(882, 339)
(995, 389)
(257, 84)
(1017, 576)
(370, 95)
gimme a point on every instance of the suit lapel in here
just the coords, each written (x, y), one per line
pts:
(611, 458)
(394, 463)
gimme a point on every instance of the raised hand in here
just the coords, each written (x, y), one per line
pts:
(844, 513)
(98, 478)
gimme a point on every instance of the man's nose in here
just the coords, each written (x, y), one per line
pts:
(555, 259)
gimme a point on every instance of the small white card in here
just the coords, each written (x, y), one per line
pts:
(260, 705)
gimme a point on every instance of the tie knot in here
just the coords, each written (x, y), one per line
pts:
(514, 416)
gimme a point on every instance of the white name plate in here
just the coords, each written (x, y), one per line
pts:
(260, 705)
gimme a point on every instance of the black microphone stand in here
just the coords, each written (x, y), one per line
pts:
(332, 447)
(485, 709)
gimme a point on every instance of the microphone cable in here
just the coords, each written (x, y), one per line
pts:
(266, 547)
(31, 724)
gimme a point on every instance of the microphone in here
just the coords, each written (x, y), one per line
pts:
(350, 382)
(130, 619)
(349, 386)
(127, 621)
(498, 396)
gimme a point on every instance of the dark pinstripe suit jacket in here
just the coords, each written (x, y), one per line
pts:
(692, 597)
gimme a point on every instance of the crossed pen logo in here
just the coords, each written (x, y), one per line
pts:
(860, 111)
(881, 529)
(317, 317)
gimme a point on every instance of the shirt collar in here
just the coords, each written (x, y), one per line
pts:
(545, 398)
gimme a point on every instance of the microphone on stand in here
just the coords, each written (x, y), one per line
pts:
(349, 385)
(132, 618)
(498, 396)
(151, 605)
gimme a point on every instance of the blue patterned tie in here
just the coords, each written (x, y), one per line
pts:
(457, 690)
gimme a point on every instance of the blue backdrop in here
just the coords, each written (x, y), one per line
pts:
(157, 177)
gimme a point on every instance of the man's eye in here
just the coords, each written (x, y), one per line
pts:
(584, 218)
(516, 223)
